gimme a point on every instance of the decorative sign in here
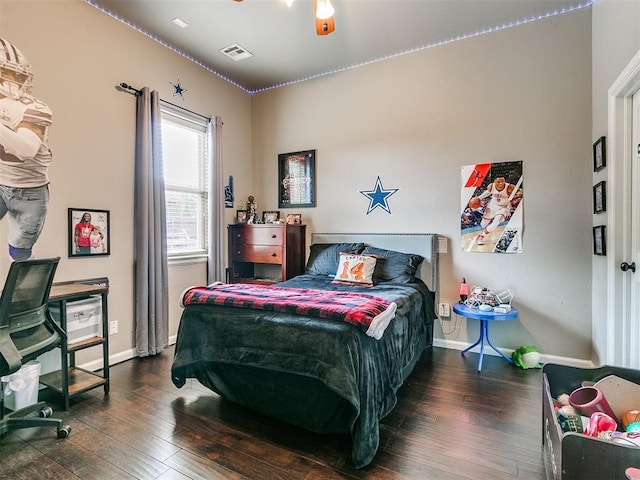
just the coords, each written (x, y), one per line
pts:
(178, 89)
(378, 196)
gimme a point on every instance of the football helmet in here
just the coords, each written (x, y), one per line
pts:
(16, 78)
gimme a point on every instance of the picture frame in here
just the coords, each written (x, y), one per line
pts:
(270, 216)
(600, 154)
(600, 240)
(600, 197)
(294, 219)
(89, 232)
(241, 216)
(296, 179)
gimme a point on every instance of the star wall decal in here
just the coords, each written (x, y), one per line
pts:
(378, 196)
(178, 90)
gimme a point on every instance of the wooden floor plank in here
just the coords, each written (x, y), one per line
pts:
(450, 423)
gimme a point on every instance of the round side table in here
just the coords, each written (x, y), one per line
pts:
(484, 317)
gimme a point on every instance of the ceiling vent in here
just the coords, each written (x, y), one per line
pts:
(236, 52)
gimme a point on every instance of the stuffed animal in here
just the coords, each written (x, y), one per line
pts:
(526, 357)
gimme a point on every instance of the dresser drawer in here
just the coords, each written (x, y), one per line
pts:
(261, 235)
(257, 253)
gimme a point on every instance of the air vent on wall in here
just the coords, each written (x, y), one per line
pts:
(236, 52)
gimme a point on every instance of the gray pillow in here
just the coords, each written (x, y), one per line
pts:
(394, 266)
(325, 257)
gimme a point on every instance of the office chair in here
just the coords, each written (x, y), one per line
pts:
(27, 330)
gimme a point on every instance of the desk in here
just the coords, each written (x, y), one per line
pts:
(485, 318)
(72, 380)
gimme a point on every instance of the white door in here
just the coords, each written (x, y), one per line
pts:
(631, 334)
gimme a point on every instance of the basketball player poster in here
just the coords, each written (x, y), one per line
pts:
(491, 207)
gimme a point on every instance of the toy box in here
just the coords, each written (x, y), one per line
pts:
(575, 456)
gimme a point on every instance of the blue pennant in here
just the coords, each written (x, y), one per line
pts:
(178, 90)
(378, 196)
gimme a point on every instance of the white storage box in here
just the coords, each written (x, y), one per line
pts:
(84, 318)
(21, 387)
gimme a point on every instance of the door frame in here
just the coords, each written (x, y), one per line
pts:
(619, 348)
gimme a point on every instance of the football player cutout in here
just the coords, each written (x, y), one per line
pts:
(502, 197)
(24, 154)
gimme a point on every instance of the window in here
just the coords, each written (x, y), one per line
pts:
(185, 148)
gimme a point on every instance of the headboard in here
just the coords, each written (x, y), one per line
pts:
(425, 244)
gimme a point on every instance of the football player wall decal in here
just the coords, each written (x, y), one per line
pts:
(24, 153)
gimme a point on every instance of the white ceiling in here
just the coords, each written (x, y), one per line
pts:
(283, 39)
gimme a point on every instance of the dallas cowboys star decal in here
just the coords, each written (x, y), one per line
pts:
(378, 196)
(178, 90)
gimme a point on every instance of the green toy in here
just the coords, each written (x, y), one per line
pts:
(526, 357)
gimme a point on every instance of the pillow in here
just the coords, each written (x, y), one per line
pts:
(355, 269)
(394, 266)
(324, 257)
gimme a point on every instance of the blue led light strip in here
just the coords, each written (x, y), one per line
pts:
(465, 36)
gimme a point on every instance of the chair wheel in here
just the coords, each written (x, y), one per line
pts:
(46, 412)
(64, 431)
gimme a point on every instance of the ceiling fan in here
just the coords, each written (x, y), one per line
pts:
(323, 14)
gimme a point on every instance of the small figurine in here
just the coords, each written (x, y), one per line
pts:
(252, 208)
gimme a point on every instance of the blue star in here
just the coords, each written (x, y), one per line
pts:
(178, 90)
(378, 196)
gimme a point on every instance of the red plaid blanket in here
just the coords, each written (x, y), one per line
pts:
(371, 314)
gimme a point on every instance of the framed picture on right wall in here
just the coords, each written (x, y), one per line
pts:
(600, 240)
(599, 154)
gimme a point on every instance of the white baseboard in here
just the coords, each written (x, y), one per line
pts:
(117, 357)
(568, 361)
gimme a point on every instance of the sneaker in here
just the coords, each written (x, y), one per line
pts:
(480, 240)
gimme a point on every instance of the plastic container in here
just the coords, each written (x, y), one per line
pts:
(21, 387)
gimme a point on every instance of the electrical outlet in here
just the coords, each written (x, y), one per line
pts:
(113, 327)
(444, 310)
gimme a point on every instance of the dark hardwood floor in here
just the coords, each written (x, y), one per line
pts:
(450, 423)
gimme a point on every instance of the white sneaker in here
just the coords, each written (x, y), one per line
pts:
(480, 240)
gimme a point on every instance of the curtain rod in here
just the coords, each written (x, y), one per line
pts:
(126, 87)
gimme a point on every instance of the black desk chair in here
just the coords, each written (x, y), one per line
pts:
(27, 330)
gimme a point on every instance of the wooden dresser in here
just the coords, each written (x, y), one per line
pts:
(266, 253)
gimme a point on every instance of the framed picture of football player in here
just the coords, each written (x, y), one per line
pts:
(89, 232)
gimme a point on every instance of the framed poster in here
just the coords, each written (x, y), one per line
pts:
(599, 240)
(296, 179)
(599, 154)
(600, 197)
(89, 232)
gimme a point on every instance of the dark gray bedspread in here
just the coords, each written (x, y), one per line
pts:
(365, 372)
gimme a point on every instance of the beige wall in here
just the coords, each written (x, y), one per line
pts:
(519, 94)
(79, 55)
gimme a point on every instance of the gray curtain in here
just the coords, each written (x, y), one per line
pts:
(216, 260)
(149, 230)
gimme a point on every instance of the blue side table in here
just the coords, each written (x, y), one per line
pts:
(485, 318)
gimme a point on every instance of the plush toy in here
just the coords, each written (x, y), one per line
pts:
(526, 357)
(631, 420)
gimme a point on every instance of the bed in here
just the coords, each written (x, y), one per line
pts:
(322, 374)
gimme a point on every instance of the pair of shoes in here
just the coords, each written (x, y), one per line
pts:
(480, 240)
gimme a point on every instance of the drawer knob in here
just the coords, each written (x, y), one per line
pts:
(273, 236)
(273, 254)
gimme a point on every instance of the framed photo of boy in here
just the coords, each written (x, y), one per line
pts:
(89, 232)
(297, 179)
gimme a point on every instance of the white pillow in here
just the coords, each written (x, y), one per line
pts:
(355, 269)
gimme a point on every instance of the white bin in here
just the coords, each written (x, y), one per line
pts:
(21, 387)
(84, 318)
